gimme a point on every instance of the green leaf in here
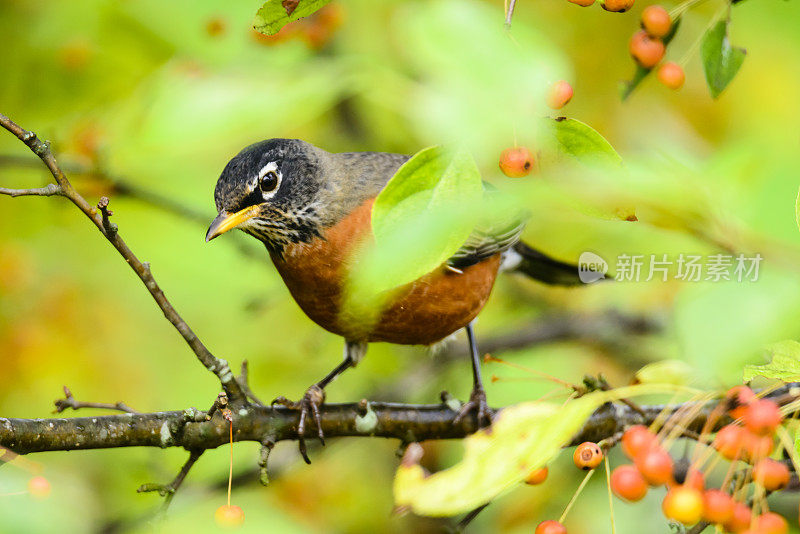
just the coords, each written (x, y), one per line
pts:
(784, 364)
(275, 14)
(579, 140)
(523, 437)
(419, 220)
(721, 61)
(627, 87)
(797, 209)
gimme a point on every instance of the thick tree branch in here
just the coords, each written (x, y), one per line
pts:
(190, 430)
(142, 269)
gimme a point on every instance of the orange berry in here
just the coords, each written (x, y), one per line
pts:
(645, 50)
(617, 6)
(738, 398)
(550, 527)
(537, 476)
(717, 506)
(588, 455)
(756, 447)
(655, 466)
(671, 75)
(771, 523)
(683, 504)
(740, 518)
(771, 474)
(683, 474)
(229, 516)
(729, 441)
(559, 95)
(582, 3)
(39, 487)
(656, 21)
(516, 162)
(636, 440)
(762, 417)
(628, 483)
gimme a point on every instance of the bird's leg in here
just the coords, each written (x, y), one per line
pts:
(315, 395)
(477, 399)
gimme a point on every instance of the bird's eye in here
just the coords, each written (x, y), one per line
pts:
(268, 182)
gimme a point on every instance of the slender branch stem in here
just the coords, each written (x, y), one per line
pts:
(142, 269)
(46, 191)
(69, 401)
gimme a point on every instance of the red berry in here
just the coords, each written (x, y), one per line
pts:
(628, 483)
(560, 94)
(695, 479)
(645, 50)
(671, 75)
(771, 523)
(636, 440)
(550, 527)
(729, 441)
(656, 21)
(655, 466)
(537, 476)
(738, 398)
(756, 447)
(771, 474)
(762, 417)
(617, 6)
(516, 162)
(683, 504)
(588, 455)
(39, 487)
(229, 516)
(740, 518)
(717, 506)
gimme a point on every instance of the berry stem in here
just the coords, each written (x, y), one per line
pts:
(540, 374)
(575, 496)
(230, 471)
(610, 498)
(786, 443)
(693, 48)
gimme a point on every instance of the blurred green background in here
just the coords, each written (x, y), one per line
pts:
(161, 94)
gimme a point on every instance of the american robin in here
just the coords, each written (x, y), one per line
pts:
(311, 207)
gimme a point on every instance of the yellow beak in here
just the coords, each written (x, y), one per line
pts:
(226, 221)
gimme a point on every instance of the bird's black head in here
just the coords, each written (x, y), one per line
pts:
(270, 190)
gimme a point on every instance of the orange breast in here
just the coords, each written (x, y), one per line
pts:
(424, 312)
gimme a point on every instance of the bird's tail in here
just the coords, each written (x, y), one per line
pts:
(523, 259)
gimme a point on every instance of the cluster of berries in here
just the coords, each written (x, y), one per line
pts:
(518, 161)
(687, 500)
(616, 6)
(737, 506)
(647, 48)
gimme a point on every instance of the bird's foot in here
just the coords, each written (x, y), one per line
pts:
(476, 404)
(309, 408)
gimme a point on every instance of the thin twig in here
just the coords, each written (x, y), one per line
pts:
(142, 269)
(69, 401)
(46, 191)
(510, 13)
(168, 490)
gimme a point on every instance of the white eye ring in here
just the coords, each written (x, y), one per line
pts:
(268, 176)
